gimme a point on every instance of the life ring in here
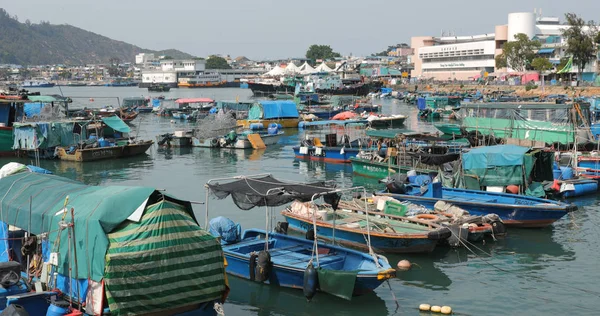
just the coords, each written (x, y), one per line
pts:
(427, 217)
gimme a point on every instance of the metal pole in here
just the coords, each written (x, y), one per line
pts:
(72, 227)
(28, 234)
(206, 214)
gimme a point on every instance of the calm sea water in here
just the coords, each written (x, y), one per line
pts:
(531, 272)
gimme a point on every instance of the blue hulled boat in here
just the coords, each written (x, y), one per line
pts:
(514, 210)
(278, 259)
(335, 154)
(290, 257)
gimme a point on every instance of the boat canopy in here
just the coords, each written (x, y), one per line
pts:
(116, 123)
(134, 239)
(194, 100)
(508, 164)
(273, 110)
(248, 192)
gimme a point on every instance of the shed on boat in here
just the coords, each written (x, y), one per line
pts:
(138, 247)
(267, 112)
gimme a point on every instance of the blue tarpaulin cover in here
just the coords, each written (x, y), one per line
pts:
(32, 109)
(492, 156)
(279, 109)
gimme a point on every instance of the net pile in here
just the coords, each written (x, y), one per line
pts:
(266, 191)
(215, 125)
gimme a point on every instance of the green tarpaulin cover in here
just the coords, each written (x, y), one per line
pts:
(164, 261)
(338, 283)
(116, 123)
(98, 211)
(499, 165)
(42, 98)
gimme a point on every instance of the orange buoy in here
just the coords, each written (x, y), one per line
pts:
(427, 217)
(514, 189)
(404, 265)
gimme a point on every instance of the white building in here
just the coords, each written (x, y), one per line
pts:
(144, 59)
(468, 57)
(170, 70)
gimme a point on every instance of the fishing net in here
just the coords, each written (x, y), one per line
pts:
(215, 125)
(266, 191)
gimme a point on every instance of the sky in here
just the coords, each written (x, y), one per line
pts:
(271, 29)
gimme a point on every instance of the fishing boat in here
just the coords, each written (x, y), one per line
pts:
(513, 210)
(137, 104)
(239, 141)
(37, 83)
(533, 124)
(281, 260)
(386, 121)
(82, 261)
(159, 88)
(74, 153)
(397, 235)
(108, 139)
(264, 113)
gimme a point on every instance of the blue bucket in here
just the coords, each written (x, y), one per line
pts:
(566, 173)
(54, 310)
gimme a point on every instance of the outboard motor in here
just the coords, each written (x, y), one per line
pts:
(282, 228)
(166, 139)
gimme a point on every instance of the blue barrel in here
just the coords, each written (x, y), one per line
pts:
(279, 126)
(582, 188)
(566, 173)
(301, 124)
(272, 130)
(256, 126)
(272, 125)
(93, 137)
(556, 174)
(54, 310)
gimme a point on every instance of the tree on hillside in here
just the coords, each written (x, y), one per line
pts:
(216, 62)
(113, 69)
(580, 38)
(315, 52)
(519, 53)
(65, 75)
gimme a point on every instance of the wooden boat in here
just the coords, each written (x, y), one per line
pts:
(100, 153)
(513, 210)
(159, 88)
(397, 235)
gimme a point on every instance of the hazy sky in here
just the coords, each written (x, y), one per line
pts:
(262, 29)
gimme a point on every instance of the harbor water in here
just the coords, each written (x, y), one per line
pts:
(549, 271)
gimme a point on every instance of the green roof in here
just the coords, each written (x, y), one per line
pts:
(117, 124)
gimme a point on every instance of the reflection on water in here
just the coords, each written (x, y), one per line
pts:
(269, 300)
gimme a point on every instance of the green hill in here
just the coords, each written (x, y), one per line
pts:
(45, 43)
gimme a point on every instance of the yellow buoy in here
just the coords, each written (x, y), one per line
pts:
(446, 310)
(424, 307)
(436, 309)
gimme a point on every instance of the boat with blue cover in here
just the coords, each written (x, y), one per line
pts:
(513, 209)
(281, 260)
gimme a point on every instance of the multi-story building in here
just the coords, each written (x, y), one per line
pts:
(467, 57)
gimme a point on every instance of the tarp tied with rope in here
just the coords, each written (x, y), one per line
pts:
(248, 192)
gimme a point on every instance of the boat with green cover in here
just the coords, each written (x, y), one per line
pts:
(536, 122)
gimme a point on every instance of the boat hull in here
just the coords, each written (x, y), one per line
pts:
(93, 154)
(388, 123)
(292, 276)
(285, 123)
(240, 143)
(6, 141)
(414, 243)
(373, 169)
(328, 154)
(522, 212)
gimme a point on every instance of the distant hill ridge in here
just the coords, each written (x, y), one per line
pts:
(48, 44)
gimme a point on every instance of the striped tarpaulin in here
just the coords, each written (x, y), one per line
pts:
(164, 261)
